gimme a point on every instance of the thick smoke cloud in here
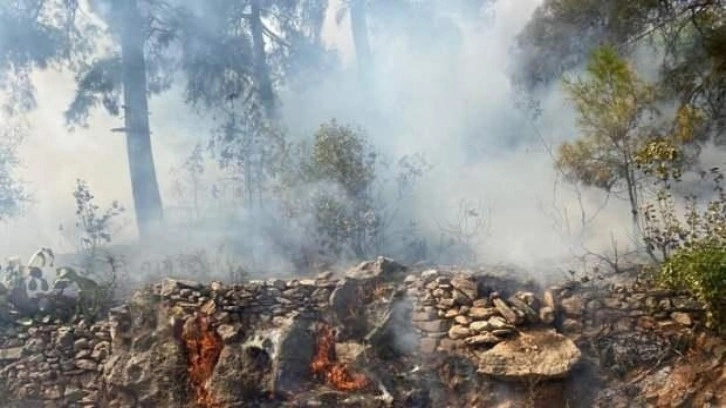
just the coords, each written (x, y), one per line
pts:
(450, 100)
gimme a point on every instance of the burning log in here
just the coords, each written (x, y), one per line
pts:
(203, 347)
(325, 366)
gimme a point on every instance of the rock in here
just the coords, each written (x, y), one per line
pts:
(506, 311)
(462, 320)
(429, 275)
(546, 315)
(460, 297)
(537, 355)
(64, 339)
(466, 287)
(81, 344)
(428, 345)
(682, 318)
(272, 361)
(459, 332)
(482, 313)
(449, 344)
(11, 354)
(571, 325)
(452, 313)
(87, 365)
(445, 304)
(228, 333)
(529, 298)
(548, 299)
(324, 275)
(503, 332)
(382, 268)
(279, 284)
(432, 326)
(531, 314)
(573, 306)
(170, 286)
(483, 339)
(424, 315)
(482, 303)
(480, 326)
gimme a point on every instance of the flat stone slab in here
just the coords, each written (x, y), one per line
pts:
(541, 354)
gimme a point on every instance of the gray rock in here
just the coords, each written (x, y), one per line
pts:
(11, 354)
(86, 364)
(272, 361)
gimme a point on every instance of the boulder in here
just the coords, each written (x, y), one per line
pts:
(382, 268)
(535, 355)
(272, 361)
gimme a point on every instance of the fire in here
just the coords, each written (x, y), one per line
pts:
(334, 373)
(203, 347)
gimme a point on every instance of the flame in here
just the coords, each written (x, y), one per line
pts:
(334, 373)
(203, 348)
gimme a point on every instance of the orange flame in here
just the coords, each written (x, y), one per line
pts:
(203, 348)
(334, 373)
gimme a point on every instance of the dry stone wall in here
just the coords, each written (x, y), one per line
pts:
(182, 341)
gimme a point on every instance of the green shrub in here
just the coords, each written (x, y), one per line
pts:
(701, 269)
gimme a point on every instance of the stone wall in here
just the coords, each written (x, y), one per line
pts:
(52, 361)
(220, 345)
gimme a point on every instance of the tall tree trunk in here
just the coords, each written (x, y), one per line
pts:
(359, 28)
(147, 200)
(262, 71)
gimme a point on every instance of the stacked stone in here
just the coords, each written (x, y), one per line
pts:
(58, 363)
(450, 313)
(623, 309)
(251, 304)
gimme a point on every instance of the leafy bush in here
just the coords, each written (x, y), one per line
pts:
(693, 246)
(701, 269)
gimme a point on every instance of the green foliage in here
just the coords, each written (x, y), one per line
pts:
(612, 103)
(614, 108)
(690, 37)
(693, 245)
(666, 231)
(334, 189)
(95, 229)
(342, 155)
(701, 268)
(341, 168)
(94, 224)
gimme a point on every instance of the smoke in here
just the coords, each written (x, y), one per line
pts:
(447, 97)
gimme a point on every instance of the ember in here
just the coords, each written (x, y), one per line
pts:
(334, 373)
(203, 347)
